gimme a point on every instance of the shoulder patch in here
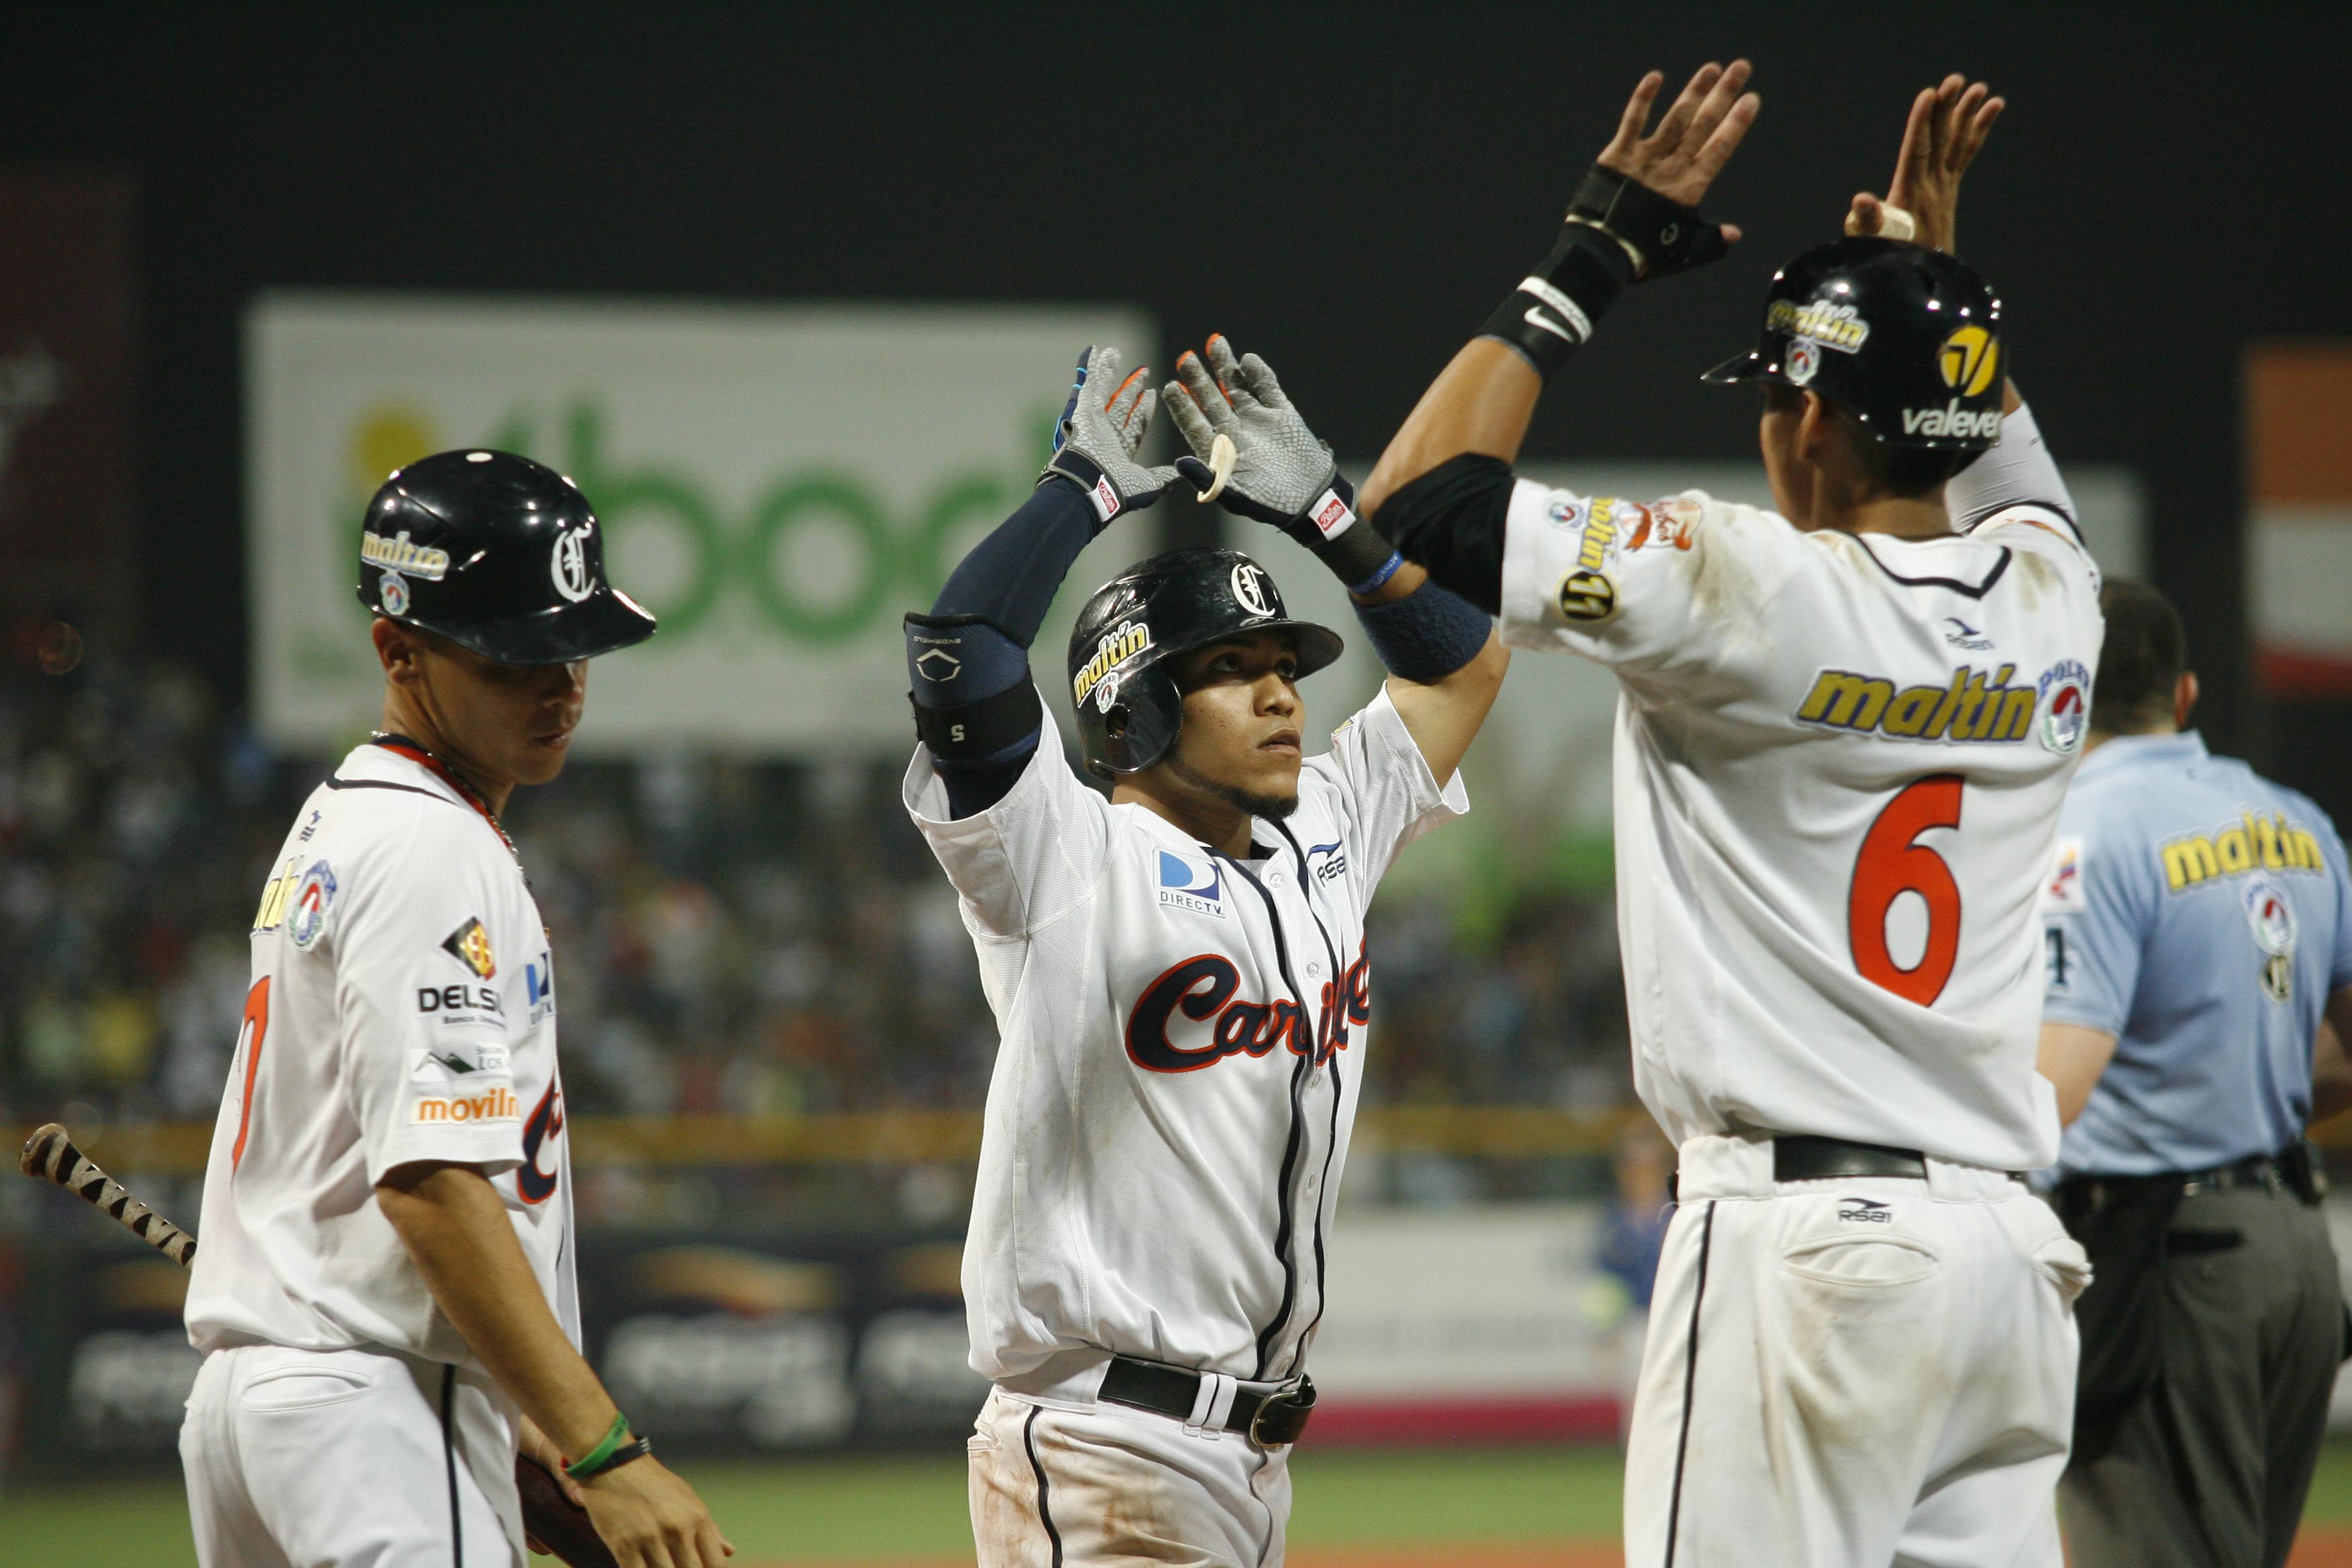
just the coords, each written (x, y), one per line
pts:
(470, 944)
(2063, 893)
(306, 913)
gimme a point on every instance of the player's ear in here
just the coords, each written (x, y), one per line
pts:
(1815, 421)
(2184, 699)
(396, 648)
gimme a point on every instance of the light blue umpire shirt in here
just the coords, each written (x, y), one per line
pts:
(2202, 915)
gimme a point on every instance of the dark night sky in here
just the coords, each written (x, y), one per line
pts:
(1348, 188)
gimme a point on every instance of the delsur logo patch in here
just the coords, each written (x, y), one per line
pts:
(2063, 893)
(470, 944)
(1187, 885)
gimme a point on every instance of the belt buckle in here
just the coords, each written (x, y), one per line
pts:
(1288, 1408)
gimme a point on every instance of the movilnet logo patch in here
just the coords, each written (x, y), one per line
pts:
(1188, 885)
(497, 1105)
(470, 944)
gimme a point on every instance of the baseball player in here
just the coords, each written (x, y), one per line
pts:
(2197, 926)
(1843, 732)
(1178, 970)
(385, 1295)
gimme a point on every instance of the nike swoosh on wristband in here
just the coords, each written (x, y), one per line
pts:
(1536, 318)
(1580, 324)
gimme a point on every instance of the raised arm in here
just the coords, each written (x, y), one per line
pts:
(976, 707)
(1945, 129)
(1444, 661)
(1634, 218)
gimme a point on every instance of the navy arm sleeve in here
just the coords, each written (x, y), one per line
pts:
(971, 654)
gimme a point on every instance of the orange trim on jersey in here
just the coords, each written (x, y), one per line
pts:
(439, 770)
(256, 1018)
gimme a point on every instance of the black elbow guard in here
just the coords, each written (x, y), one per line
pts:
(949, 656)
(975, 733)
(1451, 521)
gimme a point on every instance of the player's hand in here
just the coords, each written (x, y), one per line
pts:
(1947, 130)
(1096, 439)
(651, 1519)
(1694, 138)
(1280, 467)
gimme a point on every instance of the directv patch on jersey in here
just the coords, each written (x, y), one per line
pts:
(1186, 884)
(2063, 893)
(470, 944)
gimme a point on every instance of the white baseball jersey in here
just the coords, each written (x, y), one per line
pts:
(403, 1008)
(1184, 1037)
(1838, 770)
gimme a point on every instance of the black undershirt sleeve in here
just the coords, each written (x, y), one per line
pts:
(1451, 520)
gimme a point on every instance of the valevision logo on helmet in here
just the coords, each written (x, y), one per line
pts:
(1969, 361)
(1953, 421)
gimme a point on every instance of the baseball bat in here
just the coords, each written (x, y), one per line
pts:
(50, 1155)
(552, 1518)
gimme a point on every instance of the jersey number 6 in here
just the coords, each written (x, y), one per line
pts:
(1892, 863)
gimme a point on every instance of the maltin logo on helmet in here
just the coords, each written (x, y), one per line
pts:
(1250, 589)
(568, 565)
(1119, 644)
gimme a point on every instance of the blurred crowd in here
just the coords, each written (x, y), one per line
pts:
(752, 937)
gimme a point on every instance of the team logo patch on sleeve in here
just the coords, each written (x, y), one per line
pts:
(2064, 894)
(470, 944)
(2066, 689)
(306, 915)
(2271, 915)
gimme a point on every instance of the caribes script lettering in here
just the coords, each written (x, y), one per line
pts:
(1205, 990)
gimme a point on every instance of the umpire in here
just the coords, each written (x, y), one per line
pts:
(2199, 934)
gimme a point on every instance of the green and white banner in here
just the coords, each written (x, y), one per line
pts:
(778, 484)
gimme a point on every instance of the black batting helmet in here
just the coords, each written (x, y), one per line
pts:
(1128, 708)
(1905, 339)
(498, 554)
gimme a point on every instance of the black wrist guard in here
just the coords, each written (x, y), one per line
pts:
(1659, 234)
(1342, 540)
(1554, 309)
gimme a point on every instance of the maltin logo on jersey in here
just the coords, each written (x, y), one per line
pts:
(2066, 689)
(1186, 884)
(470, 944)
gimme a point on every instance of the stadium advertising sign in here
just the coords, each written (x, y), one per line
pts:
(778, 484)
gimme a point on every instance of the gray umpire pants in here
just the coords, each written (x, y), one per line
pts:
(2210, 1467)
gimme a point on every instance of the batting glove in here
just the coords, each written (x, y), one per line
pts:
(1283, 473)
(1095, 442)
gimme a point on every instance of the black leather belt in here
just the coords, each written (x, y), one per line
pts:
(2261, 1171)
(1825, 1159)
(1269, 1420)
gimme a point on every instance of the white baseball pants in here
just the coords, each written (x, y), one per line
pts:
(1113, 1487)
(1853, 1372)
(348, 1459)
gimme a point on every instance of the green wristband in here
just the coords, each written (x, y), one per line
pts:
(595, 1459)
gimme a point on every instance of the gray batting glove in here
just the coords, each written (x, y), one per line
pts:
(1096, 441)
(1283, 472)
